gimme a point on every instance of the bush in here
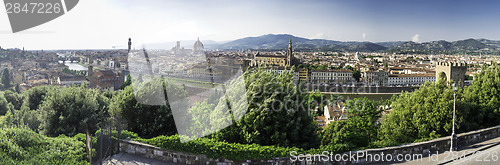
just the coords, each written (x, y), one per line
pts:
(23, 146)
(215, 149)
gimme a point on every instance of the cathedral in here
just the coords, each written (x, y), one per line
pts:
(276, 60)
(197, 48)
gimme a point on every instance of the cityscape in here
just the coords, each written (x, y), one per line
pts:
(320, 82)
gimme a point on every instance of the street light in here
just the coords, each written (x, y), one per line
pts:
(453, 146)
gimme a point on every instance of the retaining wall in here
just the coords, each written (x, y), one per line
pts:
(424, 148)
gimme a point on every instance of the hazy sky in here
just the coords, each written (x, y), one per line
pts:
(101, 24)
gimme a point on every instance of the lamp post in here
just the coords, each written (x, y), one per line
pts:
(453, 146)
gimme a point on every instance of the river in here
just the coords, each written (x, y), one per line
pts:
(74, 66)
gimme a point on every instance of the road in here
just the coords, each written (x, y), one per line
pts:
(130, 159)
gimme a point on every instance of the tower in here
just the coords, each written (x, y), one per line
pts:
(452, 71)
(289, 54)
(90, 75)
(129, 44)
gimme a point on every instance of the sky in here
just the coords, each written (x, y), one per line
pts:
(102, 24)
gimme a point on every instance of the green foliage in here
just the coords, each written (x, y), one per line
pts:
(35, 96)
(278, 113)
(74, 72)
(70, 110)
(359, 130)
(5, 78)
(23, 146)
(146, 120)
(4, 108)
(424, 114)
(484, 95)
(127, 82)
(14, 98)
(356, 74)
(216, 149)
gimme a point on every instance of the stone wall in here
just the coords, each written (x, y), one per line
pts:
(423, 148)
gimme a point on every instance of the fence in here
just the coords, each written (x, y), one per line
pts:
(105, 142)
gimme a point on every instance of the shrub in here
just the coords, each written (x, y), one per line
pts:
(23, 146)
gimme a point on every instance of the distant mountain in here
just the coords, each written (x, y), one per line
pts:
(468, 46)
(280, 42)
(367, 47)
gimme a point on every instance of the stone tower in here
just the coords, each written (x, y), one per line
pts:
(452, 71)
(129, 44)
(289, 54)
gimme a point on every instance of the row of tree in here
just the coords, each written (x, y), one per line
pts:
(276, 112)
(421, 115)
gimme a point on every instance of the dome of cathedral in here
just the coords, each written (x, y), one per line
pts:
(198, 46)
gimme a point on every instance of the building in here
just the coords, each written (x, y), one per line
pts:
(342, 76)
(268, 60)
(105, 79)
(276, 60)
(410, 79)
(375, 78)
(452, 71)
(204, 73)
(304, 75)
(198, 46)
(400, 70)
(280, 70)
(335, 113)
(70, 80)
(320, 121)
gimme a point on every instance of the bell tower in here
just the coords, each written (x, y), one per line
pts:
(289, 54)
(129, 44)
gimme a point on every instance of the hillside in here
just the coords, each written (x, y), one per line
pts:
(280, 42)
(468, 46)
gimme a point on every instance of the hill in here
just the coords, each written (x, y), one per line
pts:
(468, 46)
(280, 42)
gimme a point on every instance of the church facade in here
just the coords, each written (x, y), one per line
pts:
(275, 60)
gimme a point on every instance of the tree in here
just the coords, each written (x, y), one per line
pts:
(277, 113)
(6, 79)
(127, 82)
(424, 114)
(147, 120)
(70, 111)
(349, 67)
(485, 96)
(4, 108)
(356, 74)
(14, 98)
(359, 129)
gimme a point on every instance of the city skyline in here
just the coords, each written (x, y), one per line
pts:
(96, 24)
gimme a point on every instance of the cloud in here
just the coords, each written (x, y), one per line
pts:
(320, 36)
(416, 38)
(364, 36)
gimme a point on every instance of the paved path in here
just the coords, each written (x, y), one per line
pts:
(130, 159)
